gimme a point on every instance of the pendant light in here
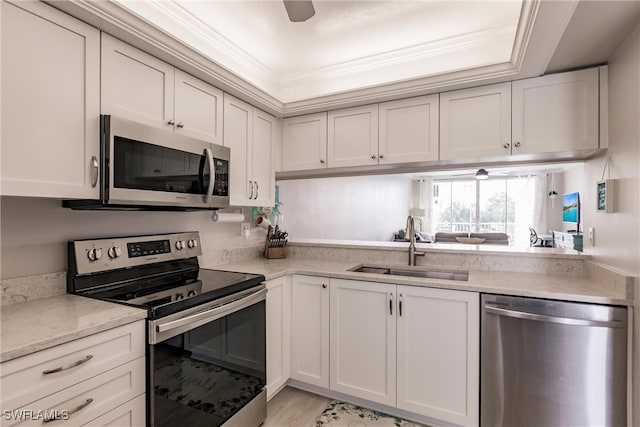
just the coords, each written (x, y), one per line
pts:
(482, 174)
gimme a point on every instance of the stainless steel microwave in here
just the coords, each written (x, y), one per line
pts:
(145, 168)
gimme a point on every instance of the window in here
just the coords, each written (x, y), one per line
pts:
(495, 205)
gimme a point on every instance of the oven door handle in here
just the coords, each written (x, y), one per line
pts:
(200, 318)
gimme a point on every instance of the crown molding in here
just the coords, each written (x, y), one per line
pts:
(119, 22)
(539, 31)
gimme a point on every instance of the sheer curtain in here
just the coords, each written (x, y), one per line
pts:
(530, 198)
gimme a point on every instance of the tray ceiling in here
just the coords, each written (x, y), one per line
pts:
(347, 45)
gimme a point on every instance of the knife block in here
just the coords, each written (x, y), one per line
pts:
(275, 253)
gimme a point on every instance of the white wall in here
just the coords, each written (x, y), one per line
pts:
(351, 208)
(35, 232)
(617, 235)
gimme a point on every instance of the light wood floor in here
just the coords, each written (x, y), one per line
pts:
(294, 408)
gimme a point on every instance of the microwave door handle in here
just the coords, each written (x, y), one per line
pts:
(212, 174)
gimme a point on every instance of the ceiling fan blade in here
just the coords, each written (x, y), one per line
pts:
(299, 10)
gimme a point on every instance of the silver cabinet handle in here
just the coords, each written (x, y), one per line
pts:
(322, 161)
(257, 188)
(391, 304)
(95, 169)
(553, 319)
(517, 144)
(506, 145)
(171, 122)
(251, 185)
(72, 411)
(400, 306)
(373, 156)
(180, 125)
(212, 174)
(73, 365)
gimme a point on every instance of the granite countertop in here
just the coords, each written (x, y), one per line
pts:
(569, 288)
(446, 248)
(35, 325)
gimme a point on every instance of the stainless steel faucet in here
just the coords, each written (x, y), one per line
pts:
(411, 231)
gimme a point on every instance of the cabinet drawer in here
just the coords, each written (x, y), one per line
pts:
(131, 414)
(87, 400)
(24, 379)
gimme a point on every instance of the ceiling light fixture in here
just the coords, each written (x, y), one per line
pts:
(482, 174)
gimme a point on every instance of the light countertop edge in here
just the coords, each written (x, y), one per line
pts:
(566, 288)
(447, 248)
(31, 326)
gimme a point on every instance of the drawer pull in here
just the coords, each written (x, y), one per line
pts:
(73, 365)
(72, 411)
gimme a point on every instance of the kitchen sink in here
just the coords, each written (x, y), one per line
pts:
(427, 274)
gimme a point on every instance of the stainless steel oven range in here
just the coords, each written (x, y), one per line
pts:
(206, 358)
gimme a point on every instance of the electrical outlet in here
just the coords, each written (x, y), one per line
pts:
(245, 229)
(592, 236)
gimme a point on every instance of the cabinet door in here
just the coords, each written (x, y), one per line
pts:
(310, 330)
(136, 85)
(50, 103)
(438, 354)
(352, 137)
(238, 127)
(130, 414)
(558, 112)
(409, 130)
(278, 334)
(363, 340)
(304, 142)
(476, 122)
(263, 144)
(198, 108)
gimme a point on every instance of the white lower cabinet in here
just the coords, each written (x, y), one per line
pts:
(410, 347)
(278, 334)
(438, 351)
(363, 340)
(310, 330)
(80, 381)
(130, 414)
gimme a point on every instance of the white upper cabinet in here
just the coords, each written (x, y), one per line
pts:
(198, 108)
(409, 130)
(50, 103)
(352, 137)
(142, 88)
(250, 134)
(363, 340)
(558, 112)
(304, 142)
(475, 123)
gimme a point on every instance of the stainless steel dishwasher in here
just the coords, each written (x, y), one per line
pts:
(551, 363)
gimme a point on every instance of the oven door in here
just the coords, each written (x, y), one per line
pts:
(207, 365)
(147, 166)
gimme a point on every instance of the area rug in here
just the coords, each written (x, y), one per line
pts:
(341, 414)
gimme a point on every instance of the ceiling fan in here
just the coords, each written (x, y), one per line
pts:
(299, 10)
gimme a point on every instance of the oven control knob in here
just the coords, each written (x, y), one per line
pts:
(94, 254)
(114, 252)
(193, 243)
(179, 296)
(192, 293)
(180, 245)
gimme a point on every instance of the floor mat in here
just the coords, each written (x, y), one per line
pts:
(341, 414)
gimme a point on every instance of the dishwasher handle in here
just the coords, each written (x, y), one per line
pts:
(553, 319)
